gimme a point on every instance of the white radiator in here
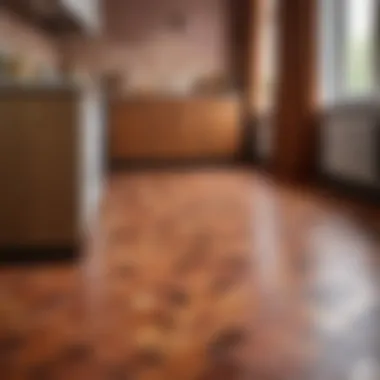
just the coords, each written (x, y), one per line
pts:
(350, 143)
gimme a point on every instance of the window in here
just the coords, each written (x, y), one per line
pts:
(348, 49)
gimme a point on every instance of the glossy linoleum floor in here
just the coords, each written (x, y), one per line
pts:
(207, 274)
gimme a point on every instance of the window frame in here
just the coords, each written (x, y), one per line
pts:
(333, 42)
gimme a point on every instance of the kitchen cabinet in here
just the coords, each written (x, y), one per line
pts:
(59, 16)
(174, 128)
(44, 171)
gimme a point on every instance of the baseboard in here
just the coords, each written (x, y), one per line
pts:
(37, 255)
(350, 189)
(152, 164)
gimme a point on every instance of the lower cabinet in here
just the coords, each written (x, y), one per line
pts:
(42, 171)
(183, 128)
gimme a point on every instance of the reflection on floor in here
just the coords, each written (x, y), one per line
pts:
(201, 275)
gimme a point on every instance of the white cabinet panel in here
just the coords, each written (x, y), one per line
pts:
(349, 144)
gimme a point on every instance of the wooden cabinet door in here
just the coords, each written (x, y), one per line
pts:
(145, 129)
(211, 128)
(51, 159)
(188, 128)
(13, 197)
(38, 196)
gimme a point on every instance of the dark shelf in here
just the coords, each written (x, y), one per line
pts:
(57, 19)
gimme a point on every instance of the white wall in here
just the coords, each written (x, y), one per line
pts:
(92, 145)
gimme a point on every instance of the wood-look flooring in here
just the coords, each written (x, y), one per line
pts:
(207, 274)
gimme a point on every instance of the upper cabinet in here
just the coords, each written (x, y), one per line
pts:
(59, 16)
(87, 12)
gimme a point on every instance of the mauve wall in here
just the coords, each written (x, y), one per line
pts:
(23, 40)
(141, 45)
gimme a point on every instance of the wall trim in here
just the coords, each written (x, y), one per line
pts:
(350, 188)
(38, 255)
(187, 163)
